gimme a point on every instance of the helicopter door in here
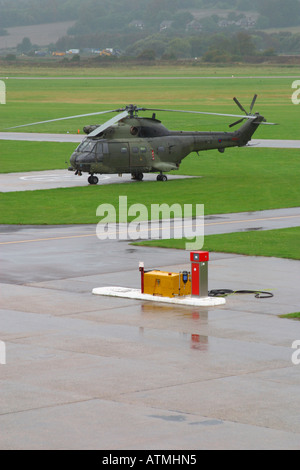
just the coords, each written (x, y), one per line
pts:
(99, 151)
(118, 157)
(138, 156)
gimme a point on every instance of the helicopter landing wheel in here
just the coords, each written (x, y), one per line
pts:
(162, 178)
(137, 176)
(93, 179)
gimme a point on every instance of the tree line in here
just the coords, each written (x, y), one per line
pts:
(156, 29)
(115, 14)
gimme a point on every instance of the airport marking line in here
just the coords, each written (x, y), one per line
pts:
(68, 237)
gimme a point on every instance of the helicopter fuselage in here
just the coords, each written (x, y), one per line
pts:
(142, 145)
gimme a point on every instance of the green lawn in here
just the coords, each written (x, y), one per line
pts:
(34, 156)
(241, 180)
(37, 100)
(179, 69)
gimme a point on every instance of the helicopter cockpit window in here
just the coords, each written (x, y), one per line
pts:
(99, 147)
(87, 146)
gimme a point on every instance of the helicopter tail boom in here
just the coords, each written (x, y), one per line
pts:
(247, 130)
(223, 140)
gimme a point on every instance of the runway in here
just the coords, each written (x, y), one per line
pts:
(77, 138)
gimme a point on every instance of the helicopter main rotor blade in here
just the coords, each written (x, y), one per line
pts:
(65, 118)
(199, 112)
(109, 123)
(242, 118)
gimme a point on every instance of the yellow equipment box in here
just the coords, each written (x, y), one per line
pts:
(166, 284)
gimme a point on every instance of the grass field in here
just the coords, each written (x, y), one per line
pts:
(37, 100)
(240, 180)
(180, 69)
(34, 156)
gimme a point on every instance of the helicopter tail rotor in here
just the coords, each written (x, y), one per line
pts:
(248, 115)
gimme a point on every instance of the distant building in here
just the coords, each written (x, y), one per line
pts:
(246, 22)
(139, 24)
(165, 25)
(73, 51)
(194, 26)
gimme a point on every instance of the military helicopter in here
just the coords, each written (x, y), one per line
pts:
(128, 143)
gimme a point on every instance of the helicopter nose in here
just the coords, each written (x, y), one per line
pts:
(73, 160)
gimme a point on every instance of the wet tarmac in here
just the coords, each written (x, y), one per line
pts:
(90, 372)
(34, 180)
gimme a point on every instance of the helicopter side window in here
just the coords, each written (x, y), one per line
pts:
(135, 150)
(161, 149)
(123, 150)
(143, 149)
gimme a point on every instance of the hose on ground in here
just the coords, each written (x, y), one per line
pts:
(225, 292)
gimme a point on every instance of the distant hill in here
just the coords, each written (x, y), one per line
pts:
(220, 30)
(96, 15)
(40, 35)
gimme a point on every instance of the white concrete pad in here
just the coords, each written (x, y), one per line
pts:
(129, 293)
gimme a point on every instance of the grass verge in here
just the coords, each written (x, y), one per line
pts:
(292, 316)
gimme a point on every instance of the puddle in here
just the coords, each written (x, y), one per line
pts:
(173, 418)
(208, 422)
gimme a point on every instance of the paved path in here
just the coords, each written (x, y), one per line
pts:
(89, 372)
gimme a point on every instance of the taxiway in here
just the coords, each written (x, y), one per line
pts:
(90, 372)
(77, 138)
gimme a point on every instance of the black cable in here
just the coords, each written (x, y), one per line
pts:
(225, 292)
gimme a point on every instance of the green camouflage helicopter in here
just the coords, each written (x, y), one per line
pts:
(128, 143)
